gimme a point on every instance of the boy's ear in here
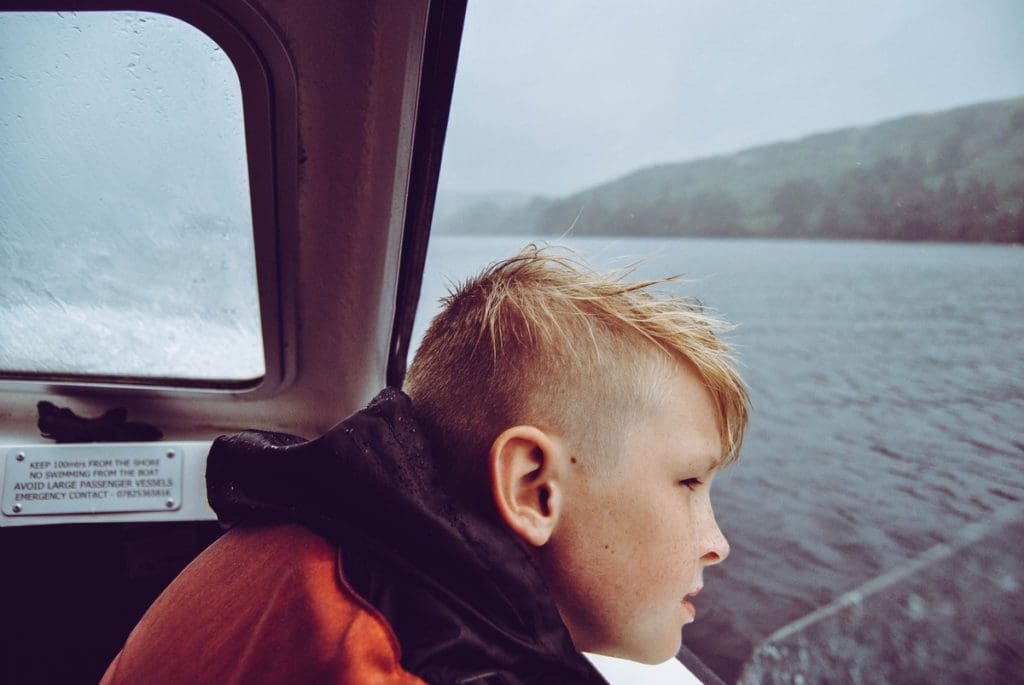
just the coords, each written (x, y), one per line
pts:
(524, 463)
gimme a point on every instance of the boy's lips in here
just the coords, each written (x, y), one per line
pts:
(691, 610)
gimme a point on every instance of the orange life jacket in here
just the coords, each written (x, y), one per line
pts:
(263, 604)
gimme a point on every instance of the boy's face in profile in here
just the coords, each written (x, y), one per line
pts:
(629, 549)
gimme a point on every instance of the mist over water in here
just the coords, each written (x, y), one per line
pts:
(888, 408)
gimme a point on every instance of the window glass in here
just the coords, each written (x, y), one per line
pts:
(126, 242)
(844, 181)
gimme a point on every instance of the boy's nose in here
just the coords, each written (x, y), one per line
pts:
(715, 546)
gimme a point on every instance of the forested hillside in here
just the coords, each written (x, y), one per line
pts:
(951, 176)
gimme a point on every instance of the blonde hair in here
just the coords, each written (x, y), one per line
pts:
(543, 338)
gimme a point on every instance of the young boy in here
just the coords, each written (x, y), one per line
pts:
(545, 492)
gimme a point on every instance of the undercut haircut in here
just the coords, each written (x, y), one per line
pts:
(543, 338)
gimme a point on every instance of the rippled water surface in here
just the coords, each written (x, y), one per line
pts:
(887, 382)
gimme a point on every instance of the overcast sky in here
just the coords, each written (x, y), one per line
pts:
(554, 96)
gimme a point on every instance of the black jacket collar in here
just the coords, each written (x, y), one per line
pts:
(462, 594)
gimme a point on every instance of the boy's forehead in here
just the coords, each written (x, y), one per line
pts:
(688, 413)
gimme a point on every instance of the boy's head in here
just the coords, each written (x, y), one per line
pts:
(591, 415)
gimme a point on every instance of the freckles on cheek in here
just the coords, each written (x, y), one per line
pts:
(606, 552)
(606, 565)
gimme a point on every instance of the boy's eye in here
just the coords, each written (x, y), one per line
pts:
(691, 483)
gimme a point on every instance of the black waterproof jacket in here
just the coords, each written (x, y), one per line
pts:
(462, 594)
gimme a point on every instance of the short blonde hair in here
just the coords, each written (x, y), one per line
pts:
(543, 338)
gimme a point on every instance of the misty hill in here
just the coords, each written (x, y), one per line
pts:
(956, 176)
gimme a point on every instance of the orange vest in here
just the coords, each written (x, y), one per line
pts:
(261, 605)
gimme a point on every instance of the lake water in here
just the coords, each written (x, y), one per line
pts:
(887, 382)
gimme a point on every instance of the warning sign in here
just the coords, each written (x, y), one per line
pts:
(92, 479)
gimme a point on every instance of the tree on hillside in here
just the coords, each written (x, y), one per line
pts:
(950, 157)
(978, 208)
(793, 202)
(947, 201)
(1017, 121)
(916, 166)
(558, 217)
(713, 213)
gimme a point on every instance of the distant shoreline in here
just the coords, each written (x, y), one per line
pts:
(955, 176)
(803, 239)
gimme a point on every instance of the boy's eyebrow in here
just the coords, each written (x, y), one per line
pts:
(716, 462)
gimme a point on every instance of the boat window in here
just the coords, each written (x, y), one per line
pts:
(843, 181)
(126, 235)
